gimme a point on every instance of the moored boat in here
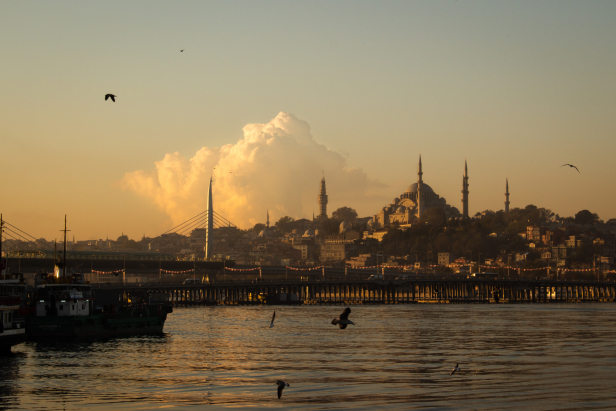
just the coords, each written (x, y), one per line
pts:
(12, 331)
(62, 306)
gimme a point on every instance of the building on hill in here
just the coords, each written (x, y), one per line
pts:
(418, 198)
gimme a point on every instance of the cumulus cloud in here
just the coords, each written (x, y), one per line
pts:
(276, 166)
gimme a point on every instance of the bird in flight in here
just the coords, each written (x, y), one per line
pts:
(272, 323)
(571, 165)
(181, 50)
(343, 321)
(456, 368)
(112, 96)
(281, 384)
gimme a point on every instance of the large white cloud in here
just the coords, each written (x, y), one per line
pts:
(276, 166)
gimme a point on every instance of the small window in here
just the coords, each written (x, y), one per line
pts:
(61, 307)
(73, 307)
(83, 306)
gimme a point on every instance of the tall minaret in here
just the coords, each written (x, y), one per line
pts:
(323, 200)
(267, 221)
(209, 229)
(507, 195)
(465, 192)
(419, 190)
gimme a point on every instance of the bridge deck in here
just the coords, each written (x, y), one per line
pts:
(371, 292)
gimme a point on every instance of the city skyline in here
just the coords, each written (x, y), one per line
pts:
(357, 90)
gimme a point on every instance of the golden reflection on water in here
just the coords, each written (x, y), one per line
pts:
(395, 357)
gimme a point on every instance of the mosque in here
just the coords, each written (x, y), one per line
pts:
(418, 198)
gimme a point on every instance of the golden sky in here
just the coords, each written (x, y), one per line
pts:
(353, 89)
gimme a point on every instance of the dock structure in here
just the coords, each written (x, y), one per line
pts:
(371, 292)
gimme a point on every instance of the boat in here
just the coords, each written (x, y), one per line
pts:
(12, 331)
(63, 307)
(12, 287)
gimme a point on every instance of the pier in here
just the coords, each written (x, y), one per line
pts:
(340, 291)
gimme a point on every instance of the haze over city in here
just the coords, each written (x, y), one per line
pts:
(267, 98)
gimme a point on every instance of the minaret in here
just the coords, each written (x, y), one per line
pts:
(323, 200)
(209, 230)
(507, 195)
(267, 220)
(419, 190)
(465, 192)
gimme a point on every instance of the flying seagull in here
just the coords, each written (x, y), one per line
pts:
(281, 384)
(456, 368)
(344, 319)
(181, 50)
(571, 165)
(112, 96)
(272, 323)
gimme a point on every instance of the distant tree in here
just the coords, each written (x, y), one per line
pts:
(259, 227)
(435, 216)
(331, 225)
(285, 224)
(586, 217)
(345, 214)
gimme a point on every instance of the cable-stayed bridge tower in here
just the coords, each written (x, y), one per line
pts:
(209, 228)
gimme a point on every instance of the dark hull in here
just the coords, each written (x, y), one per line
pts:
(93, 326)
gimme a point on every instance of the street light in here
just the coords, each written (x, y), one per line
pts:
(377, 264)
(479, 262)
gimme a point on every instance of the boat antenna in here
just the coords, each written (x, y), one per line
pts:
(64, 255)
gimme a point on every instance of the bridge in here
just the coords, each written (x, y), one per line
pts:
(341, 290)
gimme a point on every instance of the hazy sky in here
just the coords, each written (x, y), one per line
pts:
(275, 93)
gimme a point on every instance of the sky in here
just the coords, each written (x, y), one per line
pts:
(268, 97)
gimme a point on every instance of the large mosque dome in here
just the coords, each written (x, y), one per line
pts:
(413, 188)
(409, 206)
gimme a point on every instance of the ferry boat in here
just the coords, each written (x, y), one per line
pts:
(62, 306)
(12, 331)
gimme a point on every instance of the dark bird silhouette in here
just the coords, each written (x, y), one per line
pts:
(571, 165)
(112, 96)
(272, 323)
(343, 321)
(456, 368)
(181, 50)
(281, 384)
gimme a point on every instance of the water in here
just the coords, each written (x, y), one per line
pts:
(536, 357)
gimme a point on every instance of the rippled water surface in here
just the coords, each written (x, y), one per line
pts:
(535, 357)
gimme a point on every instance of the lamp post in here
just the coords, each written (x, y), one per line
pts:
(479, 262)
(377, 265)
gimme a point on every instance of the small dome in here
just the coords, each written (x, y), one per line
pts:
(401, 209)
(309, 233)
(345, 226)
(396, 201)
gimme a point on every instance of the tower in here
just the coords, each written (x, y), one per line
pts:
(419, 190)
(506, 195)
(209, 229)
(267, 220)
(465, 192)
(323, 200)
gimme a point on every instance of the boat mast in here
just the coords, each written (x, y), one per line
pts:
(64, 255)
